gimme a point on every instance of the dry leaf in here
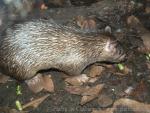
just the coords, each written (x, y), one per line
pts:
(35, 103)
(135, 106)
(40, 82)
(140, 92)
(134, 22)
(92, 80)
(88, 93)
(78, 90)
(35, 84)
(91, 93)
(86, 99)
(129, 90)
(95, 71)
(105, 101)
(48, 83)
(95, 90)
(77, 80)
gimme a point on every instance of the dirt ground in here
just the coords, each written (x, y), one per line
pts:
(62, 101)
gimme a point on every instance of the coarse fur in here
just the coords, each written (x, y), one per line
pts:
(36, 45)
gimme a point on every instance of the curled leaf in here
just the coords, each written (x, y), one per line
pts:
(35, 103)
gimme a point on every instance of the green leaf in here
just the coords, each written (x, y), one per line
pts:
(120, 66)
(18, 105)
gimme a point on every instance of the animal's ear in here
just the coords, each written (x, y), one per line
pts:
(40, 82)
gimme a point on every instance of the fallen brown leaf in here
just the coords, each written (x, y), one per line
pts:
(91, 93)
(135, 23)
(85, 99)
(92, 80)
(140, 92)
(105, 101)
(35, 103)
(135, 106)
(95, 90)
(95, 71)
(40, 82)
(87, 93)
(77, 80)
(48, 83)
(78, 90)
(35, 84)
(129, 90)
